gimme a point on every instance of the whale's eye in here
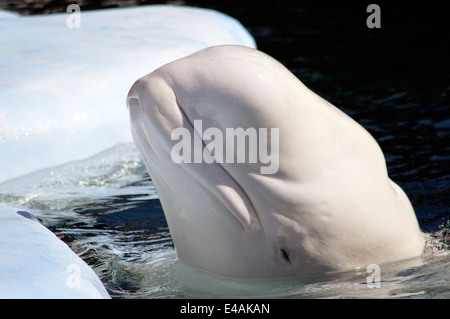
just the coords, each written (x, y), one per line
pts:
(284, 255)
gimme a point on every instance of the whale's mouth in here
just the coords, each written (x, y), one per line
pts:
(215, 180)
(221, 184)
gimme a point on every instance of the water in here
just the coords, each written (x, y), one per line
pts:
(106, 208)
(394, 81)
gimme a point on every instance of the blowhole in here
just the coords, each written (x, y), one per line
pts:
(284, 255)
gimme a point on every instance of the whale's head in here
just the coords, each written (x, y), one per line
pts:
(258, 176)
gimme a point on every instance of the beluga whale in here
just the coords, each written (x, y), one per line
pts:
(258, 176)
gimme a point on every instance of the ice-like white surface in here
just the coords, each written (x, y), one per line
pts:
(34, 263)
(63, 90)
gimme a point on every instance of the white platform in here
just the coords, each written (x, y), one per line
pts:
(63, 90)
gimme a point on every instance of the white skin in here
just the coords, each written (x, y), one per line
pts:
(330, 206)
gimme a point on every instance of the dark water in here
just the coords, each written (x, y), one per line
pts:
(395, 81)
